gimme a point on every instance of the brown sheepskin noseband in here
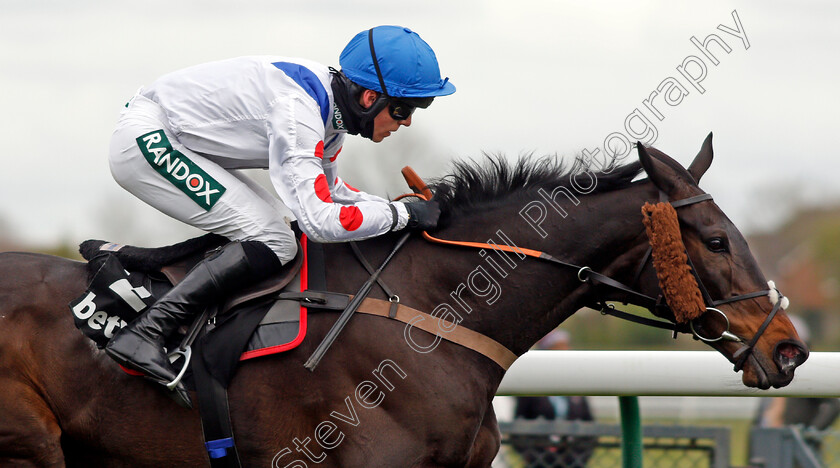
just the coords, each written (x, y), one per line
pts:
(671, 262)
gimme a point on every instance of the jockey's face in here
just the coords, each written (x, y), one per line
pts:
(383, 123)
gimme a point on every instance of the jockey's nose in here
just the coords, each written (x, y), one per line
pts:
(407, 122)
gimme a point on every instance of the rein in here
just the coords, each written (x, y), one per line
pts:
(585, 275)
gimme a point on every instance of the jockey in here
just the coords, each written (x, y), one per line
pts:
(179, 142)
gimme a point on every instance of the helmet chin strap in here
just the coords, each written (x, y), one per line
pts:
(357, 119)
(370, 114)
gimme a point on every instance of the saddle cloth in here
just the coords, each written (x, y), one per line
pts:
(251, 324)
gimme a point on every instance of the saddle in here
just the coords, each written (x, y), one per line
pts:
(265, 318)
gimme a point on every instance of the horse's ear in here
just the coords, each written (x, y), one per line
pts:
(662, 175)
(703, 159)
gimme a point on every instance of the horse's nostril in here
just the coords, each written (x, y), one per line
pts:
(788, 350)
(789, 356)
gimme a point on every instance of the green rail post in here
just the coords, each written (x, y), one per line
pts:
(631, 432)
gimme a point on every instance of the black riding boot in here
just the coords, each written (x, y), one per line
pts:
(139, 346)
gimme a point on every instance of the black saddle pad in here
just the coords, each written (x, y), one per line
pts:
(264, 326)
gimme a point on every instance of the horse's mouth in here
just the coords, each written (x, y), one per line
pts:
(758, 377)
(756, 374)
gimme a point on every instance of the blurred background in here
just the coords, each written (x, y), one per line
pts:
(533, 77)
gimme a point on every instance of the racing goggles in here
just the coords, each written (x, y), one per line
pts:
(400, 110)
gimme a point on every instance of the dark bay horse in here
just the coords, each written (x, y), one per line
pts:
(386, 395)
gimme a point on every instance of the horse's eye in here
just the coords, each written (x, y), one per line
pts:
(717, 244)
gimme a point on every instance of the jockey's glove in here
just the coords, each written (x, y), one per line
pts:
(422, 215)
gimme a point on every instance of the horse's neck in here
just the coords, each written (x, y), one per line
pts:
(517, 301)
(513, 300)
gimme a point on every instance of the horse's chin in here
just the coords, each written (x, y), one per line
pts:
(756, 375)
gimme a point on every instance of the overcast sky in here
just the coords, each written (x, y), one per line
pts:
(544, 77)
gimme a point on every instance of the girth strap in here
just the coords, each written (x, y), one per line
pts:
(215, 416)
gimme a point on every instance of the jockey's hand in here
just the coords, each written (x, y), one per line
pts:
(422, 215)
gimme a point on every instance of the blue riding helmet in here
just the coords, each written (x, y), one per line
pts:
(394, 62)
(408, 66)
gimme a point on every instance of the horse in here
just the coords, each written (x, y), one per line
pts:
(387, 394)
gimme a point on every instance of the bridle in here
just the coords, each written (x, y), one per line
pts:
(740, 356)
(586, 275)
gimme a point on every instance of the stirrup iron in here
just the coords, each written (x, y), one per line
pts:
(187, 353)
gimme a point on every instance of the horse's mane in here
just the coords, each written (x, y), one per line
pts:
(471, 186)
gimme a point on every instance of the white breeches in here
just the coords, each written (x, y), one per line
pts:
(190, 187)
